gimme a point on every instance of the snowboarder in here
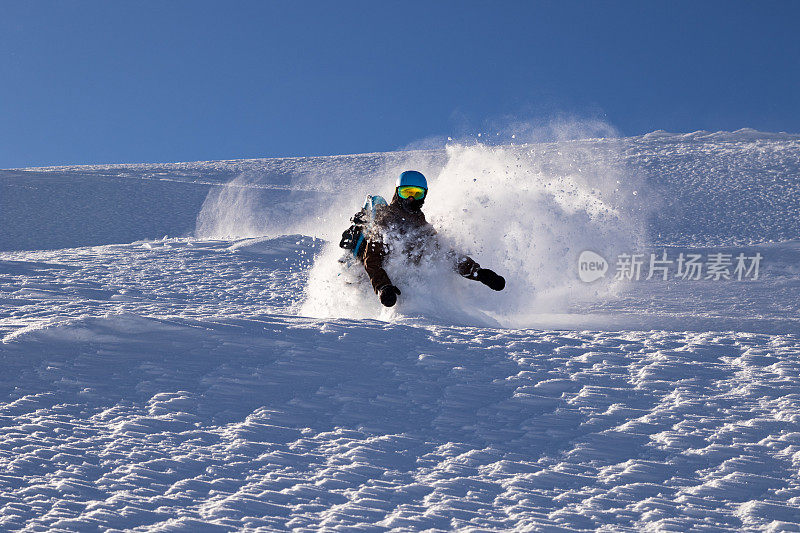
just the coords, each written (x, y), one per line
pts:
(404, 221)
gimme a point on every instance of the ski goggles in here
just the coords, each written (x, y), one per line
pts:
(410, 191)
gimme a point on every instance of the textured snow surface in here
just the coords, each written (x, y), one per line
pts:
(271, 421)
(178, 384)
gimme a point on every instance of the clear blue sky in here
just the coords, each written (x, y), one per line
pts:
(151, 81)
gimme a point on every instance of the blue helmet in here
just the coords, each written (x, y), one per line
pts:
(413, 178)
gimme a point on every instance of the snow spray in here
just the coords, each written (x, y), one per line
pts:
(526, 210)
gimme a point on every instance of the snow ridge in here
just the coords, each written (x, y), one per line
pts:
(698, 188)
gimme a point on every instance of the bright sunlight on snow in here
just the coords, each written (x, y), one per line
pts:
(183, 349)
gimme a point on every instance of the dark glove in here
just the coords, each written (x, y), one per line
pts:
(388, 295)
(490, 279)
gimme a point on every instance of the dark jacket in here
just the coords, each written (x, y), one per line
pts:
(415, 233)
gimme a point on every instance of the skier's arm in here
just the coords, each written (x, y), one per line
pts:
(470, 269)
(373, 264)
(463, 264)
(466, 266)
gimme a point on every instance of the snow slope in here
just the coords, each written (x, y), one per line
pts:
(225, 377)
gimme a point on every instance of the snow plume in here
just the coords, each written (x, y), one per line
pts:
(525, 211)
(230, 211)
(254, 205)
(561, 128)
(308, 196)
(529, 211)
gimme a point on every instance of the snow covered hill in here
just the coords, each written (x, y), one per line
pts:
(183, 351)
(700, 187)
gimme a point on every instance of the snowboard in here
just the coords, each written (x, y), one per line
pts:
(354, 238)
